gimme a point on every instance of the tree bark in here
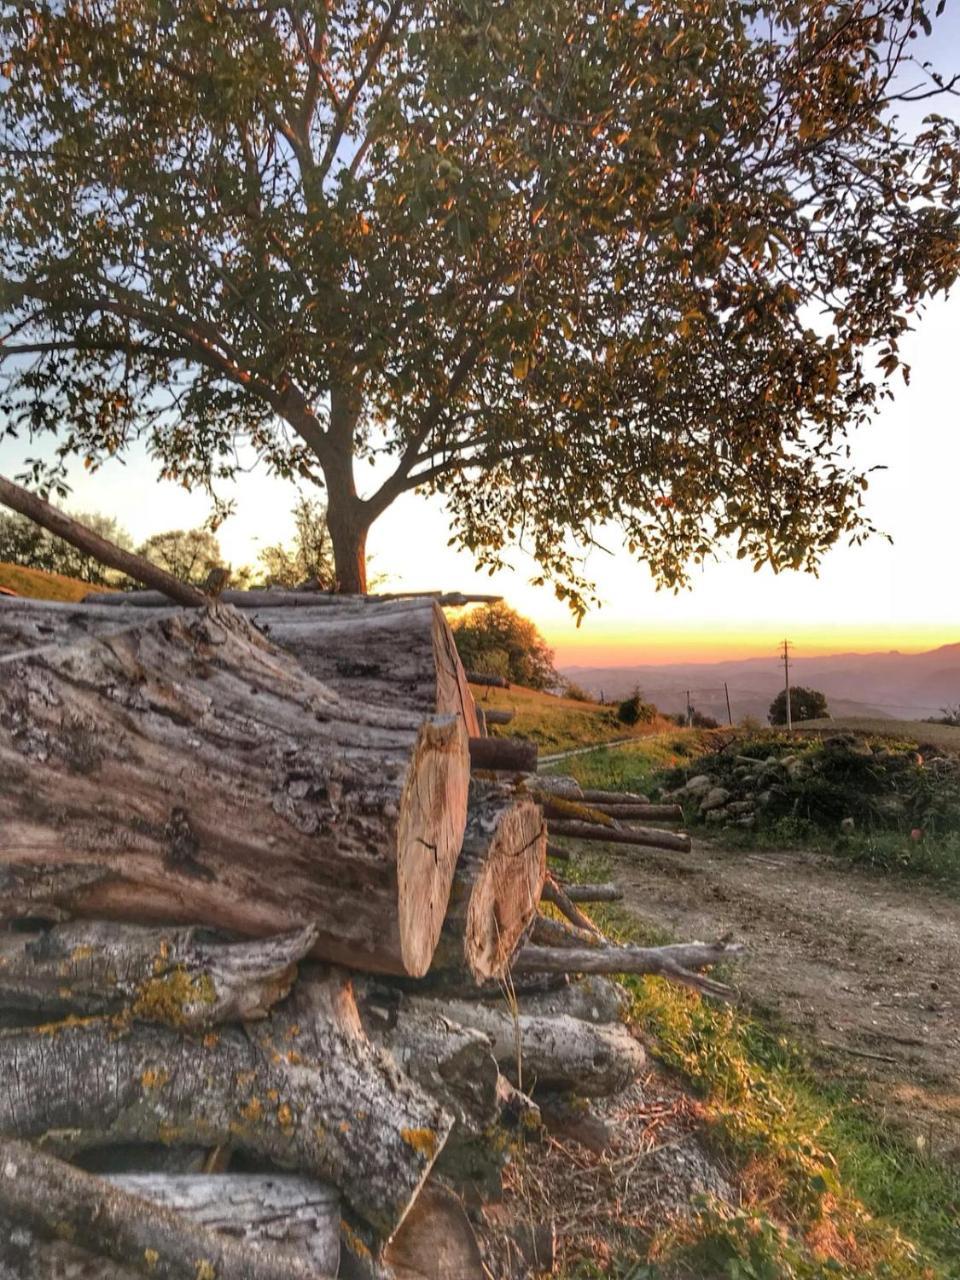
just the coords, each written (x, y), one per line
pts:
(53, 1198)
(188, 771)
(175, 976)
(557, 1052)
(85, 540)
(677, 962)
(648, 837)
(505, 754)
(591, 998)
(556, 893)
(497, 883)
(593, 892)
(319, 1099)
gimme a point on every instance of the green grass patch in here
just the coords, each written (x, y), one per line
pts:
(558, 724)
(827, 1188)
(639, 765)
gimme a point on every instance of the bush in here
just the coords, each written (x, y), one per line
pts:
(805, 704)
(570, 689)
(495, 636)
(634, 710)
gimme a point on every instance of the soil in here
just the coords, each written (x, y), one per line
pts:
(865, 966)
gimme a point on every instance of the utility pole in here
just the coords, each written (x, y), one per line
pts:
(689, 711)
(786, 682)
(727, 695)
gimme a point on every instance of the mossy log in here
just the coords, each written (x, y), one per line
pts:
(182, 977)
(188, 771)
(316, 1098)
(497, 883)
(296, 1220)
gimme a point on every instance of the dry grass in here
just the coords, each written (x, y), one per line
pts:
(559, 724)
(35, 584)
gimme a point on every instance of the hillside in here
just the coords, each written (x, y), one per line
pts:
(559, 724)
(875, 685)
(39, 585)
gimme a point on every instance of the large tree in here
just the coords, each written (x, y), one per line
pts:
(565, 263)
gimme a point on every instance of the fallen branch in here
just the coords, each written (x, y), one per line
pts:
(547, 932)
(635, 811)
(176, 976)
(648, 837)
(558, 895)
(91, 544)
(593, 892)
(39, 1191)
(676, 962)
(593, 796)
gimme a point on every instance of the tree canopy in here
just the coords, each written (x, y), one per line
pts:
(309, 558)
(499, 641)
(25, 543)
(805, 704)
(567, 263)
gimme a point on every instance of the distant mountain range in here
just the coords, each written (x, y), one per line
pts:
(902, 686)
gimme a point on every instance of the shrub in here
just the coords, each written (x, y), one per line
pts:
(634, 710)
(805, 704)
(494, 630)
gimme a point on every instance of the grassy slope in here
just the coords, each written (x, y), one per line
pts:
(558, 724)
(827, 1189)
(38, 585)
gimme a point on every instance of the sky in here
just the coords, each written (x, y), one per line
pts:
(901, 594)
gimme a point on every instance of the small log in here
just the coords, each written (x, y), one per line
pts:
(518, 754)
(497, 715)
(557, 1052)
(593, 796)
(317, 1097)
(558, 851)
(640, 812)
(187, 770)
(676, 962)
(593, 892)
(547, 932)
(496, 884)
(92, 544)
(556, 893)
(647, 837)
(55, 1199)
(176, 976)
(559, 808)
(548, 784)
(484, 680)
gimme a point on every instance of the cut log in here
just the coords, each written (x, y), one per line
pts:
(497, 715)
(176, 976)
(45, 1195)
(497, 882)
(557, 1052)
(484, 680)
(607, 892)
(647, 837)
(275, 597)
(345, 1115)
(92, 544)
(436, 1242)
(558, 851)
(593, 796)
(677, 962)
(189, 771)
(518, 754)
(556, 893)
(641, 812)
(393, 655)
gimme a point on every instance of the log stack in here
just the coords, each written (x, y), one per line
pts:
(275, 982)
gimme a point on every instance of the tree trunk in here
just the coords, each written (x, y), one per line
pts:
(294, 1218)
(397, 654)
(497, 883)
(187, 771)
(318, 1098)
(175, 976)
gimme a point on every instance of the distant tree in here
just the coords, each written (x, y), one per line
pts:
(563, 263)
(309, 557)
(576, 692)
(499, 641)
(700, 720)
(805, 704)
(25, 543)
(189, 554)
(948, 715)
(636, 710)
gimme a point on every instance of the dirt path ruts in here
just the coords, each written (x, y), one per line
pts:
(862, 964)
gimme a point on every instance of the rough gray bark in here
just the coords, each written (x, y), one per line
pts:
(345, 1115)
(189, 771)
(557, 894)
(557, 851)
(647, 837)
(45, 1195)
(592, 998)
(570, 1117)
(108, 553)
(676, 962)
(592, 796)
(295, 1218)
(307, 599)
(497, 883)
(176, 976)
(556, 1052)
(607, 892)
(636, 812)
(548, 932)
(497, 715)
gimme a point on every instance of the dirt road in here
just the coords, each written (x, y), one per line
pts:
(866, 966)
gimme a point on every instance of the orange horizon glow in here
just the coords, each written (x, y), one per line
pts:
(615, 646)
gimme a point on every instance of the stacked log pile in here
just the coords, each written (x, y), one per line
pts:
(276, 987)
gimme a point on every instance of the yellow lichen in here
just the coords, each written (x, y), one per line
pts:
(293, 1031)
(151, 1258)
(273, 1095)
(205, 1270)
(152, 1079)
(81, 953)
(53, 1028)
(423, 1141)
(211, 1040)
(173, 997)
(352, 1240)
(285, 1116)
(253, 1110)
